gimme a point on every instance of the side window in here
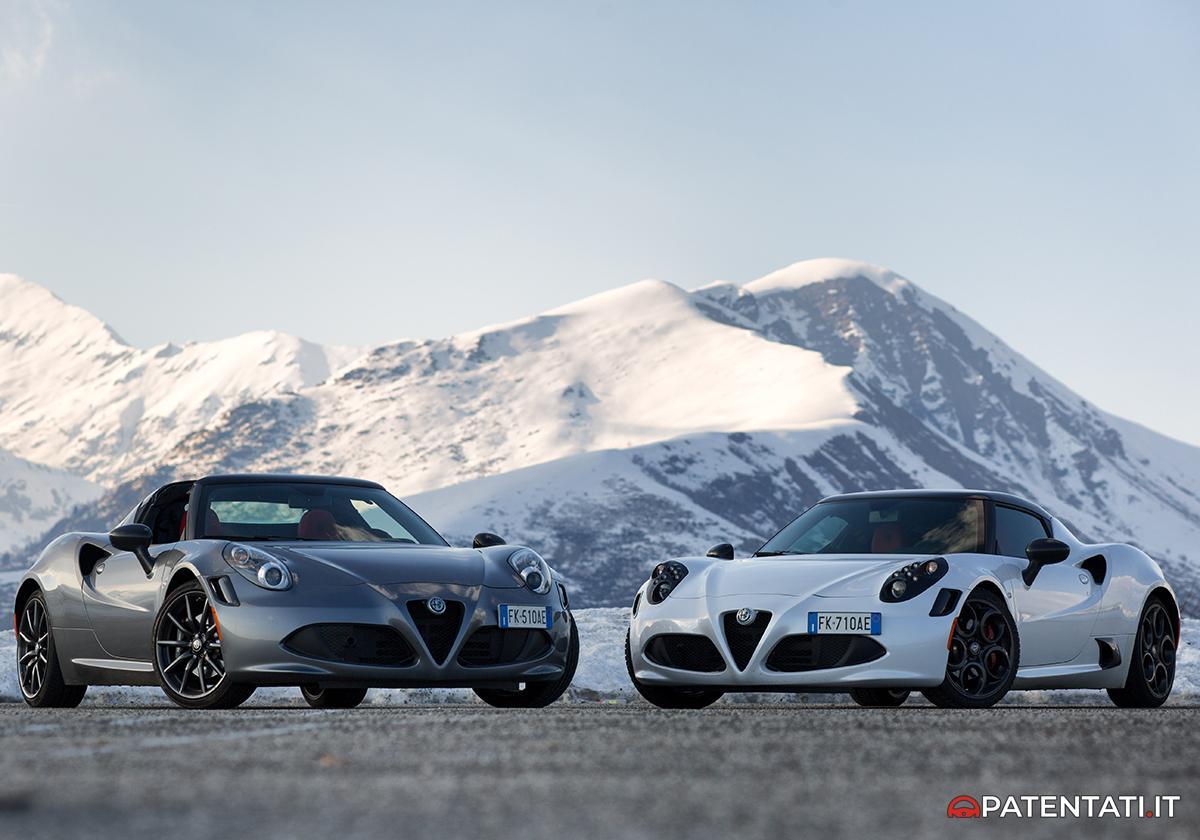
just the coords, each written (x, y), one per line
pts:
(1016, 529)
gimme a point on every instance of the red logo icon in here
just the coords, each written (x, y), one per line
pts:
(962, 807)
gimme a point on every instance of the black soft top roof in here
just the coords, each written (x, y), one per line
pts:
(991, 495)
(269, 478)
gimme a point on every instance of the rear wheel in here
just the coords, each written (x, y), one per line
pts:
(879, 697)
(188, 657)
(332, 698)
(1152, 671)
(536, 695)
(984, 652)
(670, 697)
(38, 672)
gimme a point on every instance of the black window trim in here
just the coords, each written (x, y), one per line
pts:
(994, 541)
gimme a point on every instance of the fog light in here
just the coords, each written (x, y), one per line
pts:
(899, 587)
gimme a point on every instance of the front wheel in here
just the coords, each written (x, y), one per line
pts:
(984, 652)
(669, 697)
(1152, 669)
(536, 695)
(188, 658)
(332, 698)
(879, 697)
(38, 672)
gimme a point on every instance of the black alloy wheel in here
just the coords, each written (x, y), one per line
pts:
(188, 654)
(1152, 671)
(984, 652)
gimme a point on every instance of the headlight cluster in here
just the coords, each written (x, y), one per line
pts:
(913, 579)
(664, 579)
(258, 567)
(531, 569)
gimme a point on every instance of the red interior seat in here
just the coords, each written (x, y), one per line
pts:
(317, 525)
(888, 538)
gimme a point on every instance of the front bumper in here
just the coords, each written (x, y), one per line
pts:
(254, 631)
(914, 643)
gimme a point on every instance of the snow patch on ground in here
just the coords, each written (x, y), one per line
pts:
(602, 676)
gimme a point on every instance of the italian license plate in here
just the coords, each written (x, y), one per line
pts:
(516, 616)
(866, 623)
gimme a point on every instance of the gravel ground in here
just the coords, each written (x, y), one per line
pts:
(579, 770)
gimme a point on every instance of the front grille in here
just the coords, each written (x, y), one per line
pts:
(437, 631)
(685, 651)
(816, 652)
(503, 646)
(356, 644)
(743, 639)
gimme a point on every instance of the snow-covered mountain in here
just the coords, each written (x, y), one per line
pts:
(612, 432)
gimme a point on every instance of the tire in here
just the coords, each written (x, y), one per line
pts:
(668, 697)
(38, 673)
(879, 697)
(984, 657)
(1152, 665)
(187, 644)
(537, 695)
(332, 698)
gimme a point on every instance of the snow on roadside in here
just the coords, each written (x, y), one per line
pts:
(601, 676)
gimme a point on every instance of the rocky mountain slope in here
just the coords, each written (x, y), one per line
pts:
(612, 432)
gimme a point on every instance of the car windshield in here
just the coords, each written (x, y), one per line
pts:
(310, 511)
(883, 526)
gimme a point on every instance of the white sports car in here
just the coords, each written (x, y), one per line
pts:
(960, 594)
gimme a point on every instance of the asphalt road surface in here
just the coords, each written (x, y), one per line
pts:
(581, 771)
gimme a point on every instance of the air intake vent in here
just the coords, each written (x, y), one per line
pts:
(685, 651)
(496, 646)
(437, 631)
(743, 639)
(817, 652)
(356, 644)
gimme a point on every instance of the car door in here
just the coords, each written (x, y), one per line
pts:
(1056, 614)
(120, 603)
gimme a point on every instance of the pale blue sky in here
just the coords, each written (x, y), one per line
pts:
(359, 172)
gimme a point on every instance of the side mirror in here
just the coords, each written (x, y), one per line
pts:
(1043, 552)
(722, 551)
(135, 538)
(483, 539)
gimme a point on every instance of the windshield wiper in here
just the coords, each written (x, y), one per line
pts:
(775, 553)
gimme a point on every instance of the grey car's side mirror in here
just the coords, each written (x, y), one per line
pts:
(722, 551)
(484, 538)
(1043, 552)
(135, 538)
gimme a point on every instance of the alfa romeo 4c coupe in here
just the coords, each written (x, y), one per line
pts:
(212, 588)
(960, 595)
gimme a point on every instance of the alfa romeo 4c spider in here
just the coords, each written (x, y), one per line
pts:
(214, 587)
(960, 595)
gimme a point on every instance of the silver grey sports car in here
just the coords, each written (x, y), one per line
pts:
(211, 588)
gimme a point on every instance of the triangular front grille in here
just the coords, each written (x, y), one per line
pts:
(437, 631)
(743, 639)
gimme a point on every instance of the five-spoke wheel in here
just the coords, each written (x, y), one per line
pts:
(187, 653)
(1152, 669)
(984, 652)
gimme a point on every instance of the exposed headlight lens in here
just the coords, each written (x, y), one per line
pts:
(258, 567)
(531, 569)
(913, 579)
(664, 579)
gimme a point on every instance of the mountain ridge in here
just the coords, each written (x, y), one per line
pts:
(676, 418)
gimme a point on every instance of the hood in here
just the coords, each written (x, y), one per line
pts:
(334, 564)
(829, 575)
